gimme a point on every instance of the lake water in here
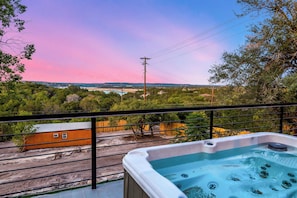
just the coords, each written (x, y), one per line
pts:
(115, 91)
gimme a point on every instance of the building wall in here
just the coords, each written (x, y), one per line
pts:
(170, 129)
(58, 139)
(104, 126)
(83, 136)
(69, 137)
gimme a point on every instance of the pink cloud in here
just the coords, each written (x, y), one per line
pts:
(74, 53)
(184, 63)
(210, 52)
(40, 70)
(78, 57)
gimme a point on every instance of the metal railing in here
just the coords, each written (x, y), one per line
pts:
(52, 169)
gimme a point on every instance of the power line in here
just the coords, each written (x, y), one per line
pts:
(195, 39)
(191, 39)
(180, 46)
(189, 51)
(177, 47)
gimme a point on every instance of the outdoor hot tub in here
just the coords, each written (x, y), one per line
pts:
(254, 165)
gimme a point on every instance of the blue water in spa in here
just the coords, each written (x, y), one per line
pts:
(254, 171)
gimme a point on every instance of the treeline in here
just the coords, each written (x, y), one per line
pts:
(24, 98)
(27, 98)
(30, 98)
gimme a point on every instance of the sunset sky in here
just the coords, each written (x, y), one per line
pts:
(96, 41)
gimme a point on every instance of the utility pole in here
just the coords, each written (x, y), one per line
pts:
(212, 96)
(144, 64)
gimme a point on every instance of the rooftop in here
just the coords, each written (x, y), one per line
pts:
(52, 127)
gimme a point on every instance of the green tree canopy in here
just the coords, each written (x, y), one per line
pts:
(269, 54)
(12, 50)
(197, 125)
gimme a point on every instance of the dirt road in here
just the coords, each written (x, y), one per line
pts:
(46, 170)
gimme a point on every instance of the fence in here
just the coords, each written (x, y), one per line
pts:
(48, 170)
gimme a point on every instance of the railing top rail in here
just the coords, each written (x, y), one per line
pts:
(134, 112)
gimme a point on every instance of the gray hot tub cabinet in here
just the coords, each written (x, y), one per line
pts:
(131, 188)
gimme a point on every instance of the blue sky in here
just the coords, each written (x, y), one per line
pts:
(95, 41)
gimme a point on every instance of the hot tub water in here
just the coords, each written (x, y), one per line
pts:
(253, 171)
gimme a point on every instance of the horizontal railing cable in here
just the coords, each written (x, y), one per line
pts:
(45, 165)
(42, 187)
(131, 143)
(41, 177)
(109, 165)
(134, 112)
(230, 120)
(39, 155)
(111, 155)
(47, 143)
(108, 175)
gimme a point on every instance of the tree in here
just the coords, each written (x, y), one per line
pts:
(138, 123)
(269, 55)
(5, 132)
(89, 103)
(72, 98)
(12, 50)
(22, 130)
(197, 128)
(291, 87)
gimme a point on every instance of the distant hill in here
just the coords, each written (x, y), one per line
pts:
(116, 84)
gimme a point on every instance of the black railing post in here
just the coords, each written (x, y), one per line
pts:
(94, 165)
(281, 118)
(210, 124)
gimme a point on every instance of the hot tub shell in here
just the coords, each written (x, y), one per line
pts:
(142, 181)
